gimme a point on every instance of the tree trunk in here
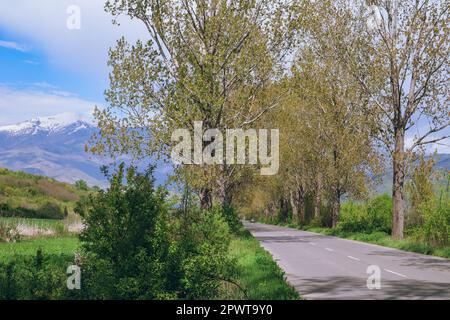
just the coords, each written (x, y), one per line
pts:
(301, 205)
(398, 197)
(294, 206)
(336, 210)
(205, 199)
(318, 196)
(284, 209)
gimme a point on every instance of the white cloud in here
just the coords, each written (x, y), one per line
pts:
(43, 24)
(13, 45)
(21, 104)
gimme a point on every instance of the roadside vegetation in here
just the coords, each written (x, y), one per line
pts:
(137, 245)
(346, 84)
(427, 220)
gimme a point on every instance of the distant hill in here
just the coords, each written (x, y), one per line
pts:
(51, 146)
(33, 196)
(54, 147)
(442, 163)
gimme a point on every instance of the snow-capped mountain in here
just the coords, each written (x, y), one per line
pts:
(55, 147)
(48, 125)
(51, 146)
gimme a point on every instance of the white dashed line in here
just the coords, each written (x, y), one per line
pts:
(312, 243)
(328, 249)
(396, 273)
(353, 258)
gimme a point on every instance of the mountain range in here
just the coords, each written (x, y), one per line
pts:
(55, 147)
(51, 146)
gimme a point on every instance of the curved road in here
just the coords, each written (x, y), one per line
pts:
(325, 267)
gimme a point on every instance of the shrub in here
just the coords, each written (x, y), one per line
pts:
(379, 212)
(125, 241)
(81, 185)
(132, 252)
(8, 232)
(371, 217)
(50, 210)
(436, 225)
(34, 278)
(353, 217)
(230, 216)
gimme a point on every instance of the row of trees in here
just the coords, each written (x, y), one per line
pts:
(344, 81)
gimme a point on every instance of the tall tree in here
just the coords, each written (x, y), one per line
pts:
(205, 60)
(410, 46)
(397, 51)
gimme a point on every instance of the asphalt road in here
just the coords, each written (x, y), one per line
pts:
(324, 267)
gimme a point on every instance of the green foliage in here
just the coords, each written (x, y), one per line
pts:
(81, 185)
(376, 215)
(230, 216)
(420, 190)
(31, 196)
(125, 242)
(436, 222)
(38, 277)
(135, 248)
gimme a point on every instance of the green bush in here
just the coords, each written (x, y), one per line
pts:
(379, 212)
(136, 248)
(436, 222)
(41, 277)
(376, 215)
(230, 216)
(353, 217)
(81, 185)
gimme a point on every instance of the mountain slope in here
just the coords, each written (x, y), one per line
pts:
(51, 146)
(55, 147)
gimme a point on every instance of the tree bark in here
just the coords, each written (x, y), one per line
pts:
(301, 204)
(284, 209)
(294, 206)
(318, 196)
(398, 197)
(205, 199)
(336, 209)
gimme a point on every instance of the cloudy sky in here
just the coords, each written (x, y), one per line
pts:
(47, 68)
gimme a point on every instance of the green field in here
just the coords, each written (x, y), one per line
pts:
(257, 274)
(49, 246)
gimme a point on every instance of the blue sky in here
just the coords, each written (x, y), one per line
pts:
(47, 68)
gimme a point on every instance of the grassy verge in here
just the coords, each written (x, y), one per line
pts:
(258, 274)
(49, 246)
(383, 239)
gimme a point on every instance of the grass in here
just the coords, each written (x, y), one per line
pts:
(258, 274)
(34, 196)
(49, 246)
(383, 239)
(41, 223)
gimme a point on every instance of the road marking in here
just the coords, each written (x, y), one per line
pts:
(353, 258)
(396, 273)
(328, 249)
(312, 243)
